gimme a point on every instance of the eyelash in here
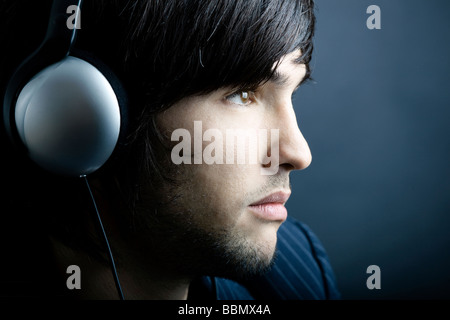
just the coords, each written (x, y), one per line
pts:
(248, 95)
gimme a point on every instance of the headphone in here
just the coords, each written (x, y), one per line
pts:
(64, 109)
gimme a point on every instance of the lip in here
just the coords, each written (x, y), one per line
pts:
(272, 207)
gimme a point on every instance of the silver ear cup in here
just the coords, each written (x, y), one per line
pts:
(68, 118)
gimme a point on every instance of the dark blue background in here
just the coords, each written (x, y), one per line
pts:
(377, 122)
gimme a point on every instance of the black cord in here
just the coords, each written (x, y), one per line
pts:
(111, 259)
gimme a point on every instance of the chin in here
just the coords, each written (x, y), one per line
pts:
(262, 246)
(247, 253)
(265, 236)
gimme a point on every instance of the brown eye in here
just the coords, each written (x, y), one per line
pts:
(242, 98)
(245, 97)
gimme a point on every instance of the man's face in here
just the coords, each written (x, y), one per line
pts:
(216, 218)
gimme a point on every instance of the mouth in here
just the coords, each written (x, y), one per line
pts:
(272, 207)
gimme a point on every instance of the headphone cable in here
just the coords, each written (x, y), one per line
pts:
(111, 258)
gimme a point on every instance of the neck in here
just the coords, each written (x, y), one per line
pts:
(137, 281)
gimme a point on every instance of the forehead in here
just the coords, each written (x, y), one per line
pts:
(289, 70)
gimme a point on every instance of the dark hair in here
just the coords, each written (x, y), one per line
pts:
(162, 51)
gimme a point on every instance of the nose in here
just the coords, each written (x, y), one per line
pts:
(294, 152)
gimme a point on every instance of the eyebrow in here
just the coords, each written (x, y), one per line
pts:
(281, 79)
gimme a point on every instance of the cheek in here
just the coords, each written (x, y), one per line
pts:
(220, 191)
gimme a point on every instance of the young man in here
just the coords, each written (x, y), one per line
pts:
(183, 221)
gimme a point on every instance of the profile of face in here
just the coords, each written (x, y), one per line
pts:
(222, 219)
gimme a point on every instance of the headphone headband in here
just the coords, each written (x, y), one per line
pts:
(61, 39)
(56, 45)
(63, 111)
